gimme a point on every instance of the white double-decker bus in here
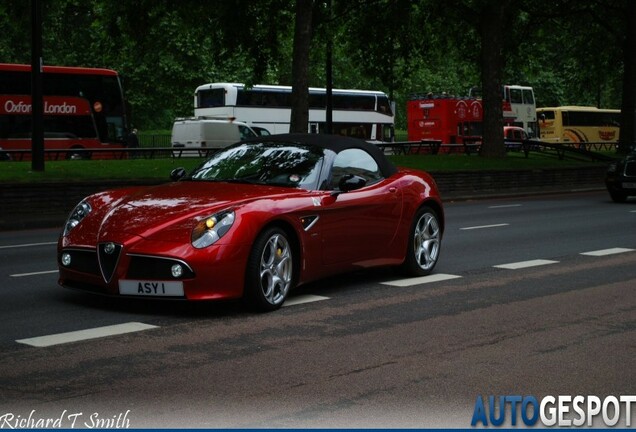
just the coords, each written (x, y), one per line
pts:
(523, 106)
(357, 113)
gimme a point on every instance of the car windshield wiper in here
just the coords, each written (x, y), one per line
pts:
(242, 180)
(258, 178)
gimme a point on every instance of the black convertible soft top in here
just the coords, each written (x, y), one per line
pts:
(335, 143)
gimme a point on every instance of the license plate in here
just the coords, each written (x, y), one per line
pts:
(151, 288)
(628, 185)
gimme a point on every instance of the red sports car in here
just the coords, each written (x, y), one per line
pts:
(254, 220)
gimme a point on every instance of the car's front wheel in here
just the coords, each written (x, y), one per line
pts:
(425, 241)
(270, 271)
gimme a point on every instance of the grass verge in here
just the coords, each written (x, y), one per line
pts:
(159, 169)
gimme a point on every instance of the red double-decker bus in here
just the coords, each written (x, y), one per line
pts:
(449, 119)
(83, 109)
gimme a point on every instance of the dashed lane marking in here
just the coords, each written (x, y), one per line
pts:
(484, 226)
(504, 206)
(33, 273)
(525, 264)
(421, 280)
(80, 335)
(604, 252)
(27, 245)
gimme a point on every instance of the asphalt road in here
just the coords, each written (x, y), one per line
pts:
(532, 296)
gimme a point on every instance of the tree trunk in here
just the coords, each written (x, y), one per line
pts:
(492, 22)
(628, 106)
(300, 67)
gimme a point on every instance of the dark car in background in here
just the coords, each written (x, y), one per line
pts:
(514, 136)
(621, 178)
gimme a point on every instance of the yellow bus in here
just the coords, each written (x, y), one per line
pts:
(579, 124)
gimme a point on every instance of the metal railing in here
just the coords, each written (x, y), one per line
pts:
(159, 149)
(162, 140)
(588, 150)
(112, 153)
(428, 147)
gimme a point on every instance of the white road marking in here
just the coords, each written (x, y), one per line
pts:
(302, 299)
(421, 280)
(484, 226)
(525, 264)
(604, 252)
(80, 335)
(504, 206)
(34, 273)
(27, 245)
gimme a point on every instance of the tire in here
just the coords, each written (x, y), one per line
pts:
(270, 271)
(425, 241)
(618, 197)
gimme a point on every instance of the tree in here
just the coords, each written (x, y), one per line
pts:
(163, 49)
(628, 107)
(300, 67)
(493, 18)
(15, 37)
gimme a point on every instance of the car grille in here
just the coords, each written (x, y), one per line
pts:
(84, 261)
(108, 255)
(148, 267)
(630, 169)
(101, 263)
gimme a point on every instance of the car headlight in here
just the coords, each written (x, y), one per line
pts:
(79, 212)
(210, 229)
(612, 167)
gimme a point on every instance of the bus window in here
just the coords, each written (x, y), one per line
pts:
(384, 106)
(547, 115)
(528, 97)
(386, 133)
(211, 98)
(317, 100)
(354, 102)
(516, 96)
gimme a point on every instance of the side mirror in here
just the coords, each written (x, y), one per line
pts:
(351, 182)
(177, 174)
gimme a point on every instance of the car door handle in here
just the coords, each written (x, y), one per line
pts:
(393, 189)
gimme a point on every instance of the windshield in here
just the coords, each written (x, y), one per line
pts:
(277, 164)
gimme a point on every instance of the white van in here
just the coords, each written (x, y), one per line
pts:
(210, 133)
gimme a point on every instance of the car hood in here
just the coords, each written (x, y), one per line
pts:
(158, 212)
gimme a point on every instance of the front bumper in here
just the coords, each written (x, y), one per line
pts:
(213, 273)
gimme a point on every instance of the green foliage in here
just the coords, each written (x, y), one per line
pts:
(570, 52)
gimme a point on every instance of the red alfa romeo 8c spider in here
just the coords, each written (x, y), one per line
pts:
(253, 221)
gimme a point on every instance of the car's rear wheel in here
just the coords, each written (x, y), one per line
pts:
(425, 241)
(270, 271)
